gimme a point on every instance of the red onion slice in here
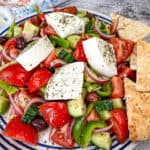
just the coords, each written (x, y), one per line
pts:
(103, 129)
(70, 127)
(5, 55)
(57, 61)
(103, 35)
(42, 32)
(33, 101)
(95, 78)
(35, 38)
(17, 109)
(115, 26)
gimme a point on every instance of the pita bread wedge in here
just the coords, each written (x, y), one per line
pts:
(130, 29)
(138, 112)
(143, 66)
(133, 59)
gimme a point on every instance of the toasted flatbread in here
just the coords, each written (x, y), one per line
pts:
(133, 59)
(143, 66)
(138, 112)
(130, 29)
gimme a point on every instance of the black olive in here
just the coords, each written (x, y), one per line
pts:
(20, 43)
(3, 40)
(39, 123)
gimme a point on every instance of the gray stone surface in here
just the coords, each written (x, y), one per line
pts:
(136, 9)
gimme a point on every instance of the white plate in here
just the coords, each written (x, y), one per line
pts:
(7, 143)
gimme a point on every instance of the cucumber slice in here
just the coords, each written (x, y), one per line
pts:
(17, 31)
(86, 19)
(4, 104)
(81, 13)
(76, 107)
(102, 140)
(88, 79)
(73, 39)
(117, 103)
(105, 115)
(1, 47)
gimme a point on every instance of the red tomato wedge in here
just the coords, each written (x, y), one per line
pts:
(125, 71)
(62, 138)
(35, 20)
(118, 88)
(42, 18)
(55, 113)
(70, 9)
(15, 74)
(39, 78)
(11, 43)
(18, 130)
(49, 30)
(120, 124)
(123, 48)
(49, 59)
(79, 52)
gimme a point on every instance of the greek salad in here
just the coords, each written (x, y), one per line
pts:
(64, 70)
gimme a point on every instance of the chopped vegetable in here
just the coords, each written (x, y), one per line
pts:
(117, 103)
(76, 107)
(86, 133)
(10, 32)
(106, 90)
(104, 114)
(81, 13)
(89, 27)
(102, 140)
(73, 39)
(30, 114)
(59, 41)
(66, 56)
(77, 129)
(18, 130)
(89, 108)
(103, 105)
(4, 104)
(10, 89)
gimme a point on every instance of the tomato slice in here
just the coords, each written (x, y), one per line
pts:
(49, 30)
(125, 71)
(11, 43)
(123, 48)
(70, 9)
(62, 137)
(120, 125)
(118, 88)
(20, 131)
(39, 78)
(79, 52)
(42, 18)
(15, 74)
(35, 20)
(93, 116)
(13, 53)
(55, 113)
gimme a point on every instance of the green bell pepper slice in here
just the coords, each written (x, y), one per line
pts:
(10, 89)
(59, 41)
(10, 32)
(86, 133)
(4, 104)
(77, 128)
(106, 90)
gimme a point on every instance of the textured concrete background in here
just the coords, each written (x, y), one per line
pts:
(136, 9)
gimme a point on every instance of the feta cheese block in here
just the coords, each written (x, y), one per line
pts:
(35, 53)
(66, 83)
(65, 24)
(100, 56)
